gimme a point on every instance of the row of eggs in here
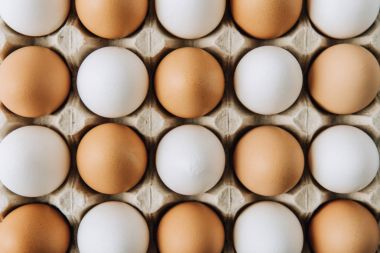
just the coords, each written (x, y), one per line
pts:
(191, 19)
(266, 226)
(190, 160)
(189, 82)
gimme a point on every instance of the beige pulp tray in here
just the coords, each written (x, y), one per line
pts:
(230, 120)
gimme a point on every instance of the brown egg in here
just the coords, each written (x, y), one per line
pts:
(344, 79)
(111, 19)
(34, 81)
(266, 19)
(111, 158)
(268, 160)
(34, 228)
(190, 227)
(344, 226)
(189, 82)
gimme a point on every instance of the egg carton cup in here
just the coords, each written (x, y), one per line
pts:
(229, 121)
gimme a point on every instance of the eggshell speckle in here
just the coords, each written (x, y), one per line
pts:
(113, 227)
(266, 19)
(344, 226)
(34, 161)
(111, 158)
(34, 228)
(189, 82)
(34, 81)
(111, 19)
(344, 79)
(190, 159)
(268, 160)
(343, 159)
(190, 227)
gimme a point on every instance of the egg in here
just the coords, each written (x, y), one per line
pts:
(268, 160)
(112, 82)
(34, 228)
(343, 19)
(268, 80)
(34, 17)
(267, 227)
(111, 19)
(113, 227)
(34, 81)
(190, 227)
(190, 159)
(266, 19)
(190, 19)
(343, 226)
(344, 79)
(343, 159)
(34, 161)
(111, 158)
(189, 82)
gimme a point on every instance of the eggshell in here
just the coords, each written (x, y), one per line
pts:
(190, 159)
(34, 161)
(344, 79)
(343, 226)
(34, 228)
(34, 17)
(267, 227)
(111, 19)
(343, 19)
(266, 19)
(113, 227)
(111, 158)
(112, 82)
(268, 160)
(343, 159)
(189, 82)
(34, 81)
(190, 19)
(190, 227)
(268, 80)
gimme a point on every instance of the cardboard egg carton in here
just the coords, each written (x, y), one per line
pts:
(229, 121)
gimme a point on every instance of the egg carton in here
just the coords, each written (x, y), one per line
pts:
(229, 121)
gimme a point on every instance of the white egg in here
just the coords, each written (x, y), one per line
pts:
(34, 17)
(190, 159)
(113, 227)
(267, 227)
(34, 161)
(268, 80)
(112, 82)
(342, 19)
(343, 159)
(190, 19)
